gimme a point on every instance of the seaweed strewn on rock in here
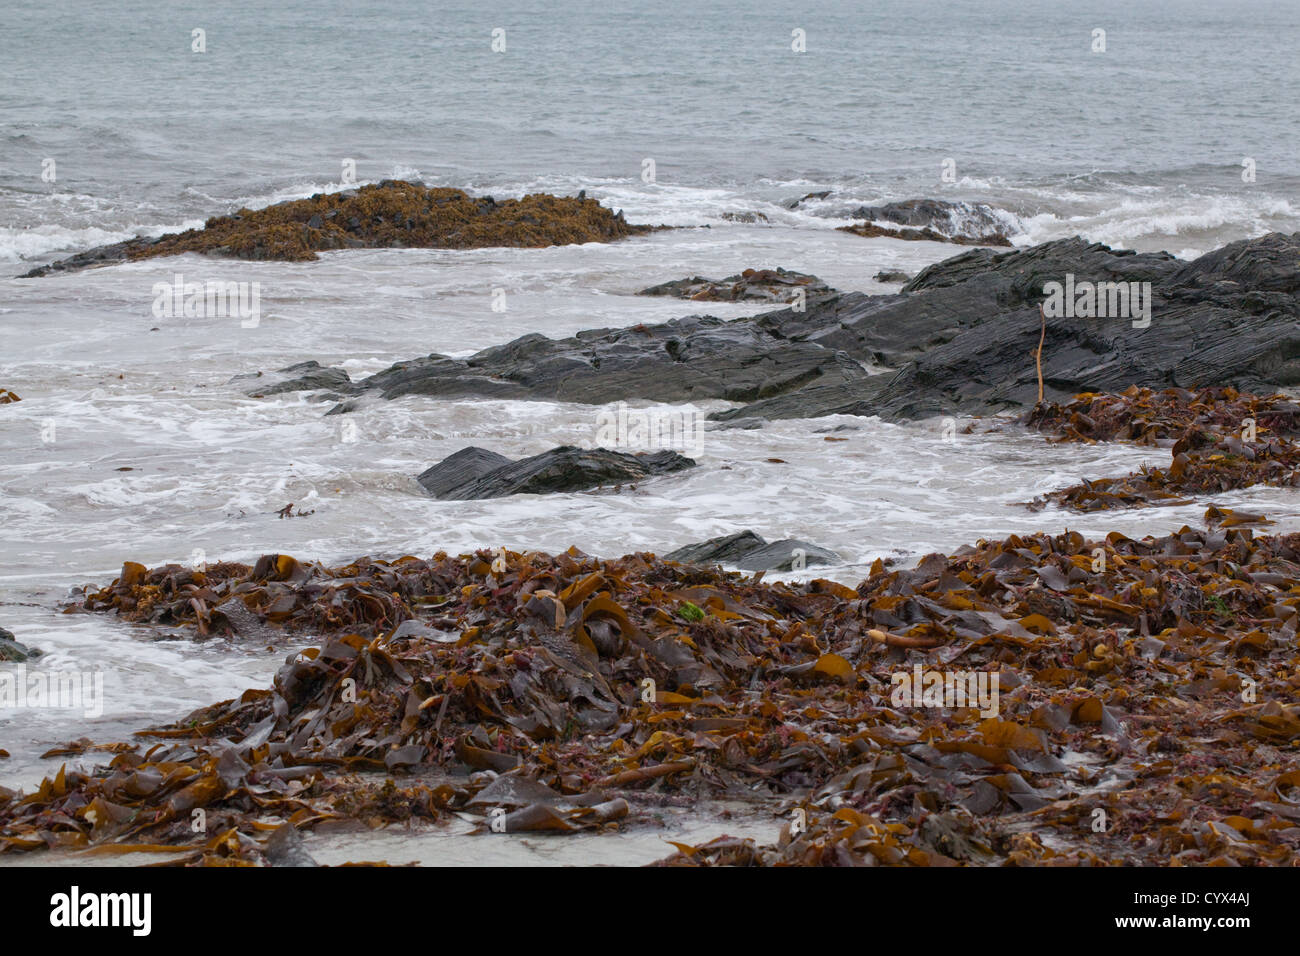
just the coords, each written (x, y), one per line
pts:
(1220, 440)
(752, 285)
(390, 214)
(1152, 681)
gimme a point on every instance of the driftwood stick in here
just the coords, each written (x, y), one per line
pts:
(1038, 356)
(901, 640)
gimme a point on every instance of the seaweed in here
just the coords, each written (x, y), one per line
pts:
(1148, 685)
(1220, 440)
(393, 214)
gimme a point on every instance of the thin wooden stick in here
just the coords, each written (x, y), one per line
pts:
(1038, 356)
(902, 640)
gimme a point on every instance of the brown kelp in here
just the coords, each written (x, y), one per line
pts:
(7, 397)
(1220, 440)
(1144, 708)
(389, 214)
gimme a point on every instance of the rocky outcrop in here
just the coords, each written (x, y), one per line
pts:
(390, 214)
(751, 552)
(752, 285)
(958, 338)
(474, 473)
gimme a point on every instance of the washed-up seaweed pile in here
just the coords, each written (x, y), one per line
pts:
(394, 214)
(1150, 680)
(1220, 440)
(277, 595)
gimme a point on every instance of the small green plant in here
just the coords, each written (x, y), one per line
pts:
(1219, 606)
(691, 612)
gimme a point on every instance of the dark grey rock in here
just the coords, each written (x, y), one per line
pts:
(684, 360)
(309, 376)
(13, 651)
(463, 477)
(957, 339)
(468, 464)
(965, 219)
(726, 550)
(892, 275)
(795, 203)
(750, 552)
(781, 555)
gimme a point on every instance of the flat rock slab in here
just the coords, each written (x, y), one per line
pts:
(476, 473)
(751, 552)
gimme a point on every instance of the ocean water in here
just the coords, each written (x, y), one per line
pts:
(1140, 146)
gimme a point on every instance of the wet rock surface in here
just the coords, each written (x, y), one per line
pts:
(13, 651)
(474, 473)
(300, 377)
(751, 552)
(958, 338)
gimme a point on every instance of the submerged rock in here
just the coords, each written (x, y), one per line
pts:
(762, 285)
(936, 220)
(871, 231)
(751, 552)
(390, 214)
(955, 220)
(796, 203)
(302, 377)
(12, 651)
(892, 275)
(474, 473)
